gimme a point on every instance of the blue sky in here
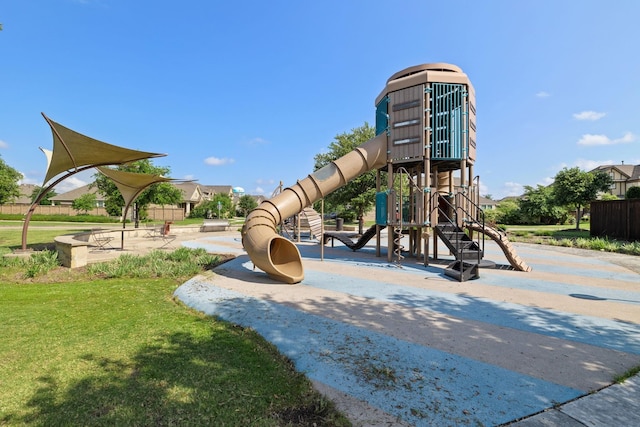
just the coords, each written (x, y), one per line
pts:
(245, 93)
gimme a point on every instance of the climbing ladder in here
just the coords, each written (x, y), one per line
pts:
(314, 220)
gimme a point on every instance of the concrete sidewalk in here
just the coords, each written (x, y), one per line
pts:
(408, 346)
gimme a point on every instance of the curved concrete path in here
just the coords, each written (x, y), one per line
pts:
(408, 346)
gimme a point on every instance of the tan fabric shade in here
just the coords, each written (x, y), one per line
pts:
(72, 150)
(131, 184)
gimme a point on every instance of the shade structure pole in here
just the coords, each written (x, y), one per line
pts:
(38, 199)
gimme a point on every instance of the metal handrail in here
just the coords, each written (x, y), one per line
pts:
(476, 216)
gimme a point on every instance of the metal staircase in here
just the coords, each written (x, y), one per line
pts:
(453, 214)
(466, 251)
(458, 219)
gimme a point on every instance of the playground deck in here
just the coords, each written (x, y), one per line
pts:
(408, 346)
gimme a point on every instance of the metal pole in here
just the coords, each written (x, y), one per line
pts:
(322, 230)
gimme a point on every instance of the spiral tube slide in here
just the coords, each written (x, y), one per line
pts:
(279, 257)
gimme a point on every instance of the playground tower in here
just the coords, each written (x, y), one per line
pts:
(429, 117)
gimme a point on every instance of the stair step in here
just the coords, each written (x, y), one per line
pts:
(462, 271)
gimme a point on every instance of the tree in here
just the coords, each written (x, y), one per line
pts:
(608, 196)
(508, 212)
(220, 206)
(46, 200)
(246, 204)
(359, 194)
(539, 207)
(84, 203)
(576, 188)
(633, 193)
(9, 178)
(161, 193)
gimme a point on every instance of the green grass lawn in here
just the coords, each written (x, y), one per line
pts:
(568, 236)
(84, 349)
(555, 231)
(122, 352)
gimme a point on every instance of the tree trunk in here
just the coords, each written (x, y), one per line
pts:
(578, 217)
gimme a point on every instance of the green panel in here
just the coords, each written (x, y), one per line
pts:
(381, 208)
(406, 209)
(382, 116)
(449, 122)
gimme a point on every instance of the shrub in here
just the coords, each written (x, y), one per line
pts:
(568, 243)
(633, 193)
(179, 263)
(508, 212)
(583, 243)
(61, 218)
(631, 248)
(41, 262)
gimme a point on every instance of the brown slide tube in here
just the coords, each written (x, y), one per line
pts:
(276, 255)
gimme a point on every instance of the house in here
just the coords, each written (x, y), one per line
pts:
(210, 190)
(623, 176)
(193, 194)
(66, 199)
(26, 190)
(487, 204)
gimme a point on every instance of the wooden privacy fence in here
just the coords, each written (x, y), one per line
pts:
(618, 219)
(155, 213)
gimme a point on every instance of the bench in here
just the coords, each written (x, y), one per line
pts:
(214, 225)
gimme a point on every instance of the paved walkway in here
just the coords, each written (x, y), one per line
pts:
(409, 346)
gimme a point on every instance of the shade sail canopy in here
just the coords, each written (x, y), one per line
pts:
(72, 150)
(131, 184)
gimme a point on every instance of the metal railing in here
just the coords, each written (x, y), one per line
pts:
(459, 214)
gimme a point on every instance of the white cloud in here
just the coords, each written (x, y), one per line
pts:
(547, 181)
(70, 183)
(590, 139)
(188, 177)
(543, 94)
(257, 141)
(261, 181)
(588, 165)
(216, 161)
(484, 189)
(589, 115)
(258, 191)
(27, 180)
(512, 189)
(3, 144)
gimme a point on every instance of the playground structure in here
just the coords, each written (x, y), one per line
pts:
(74, 152)
(425, 135)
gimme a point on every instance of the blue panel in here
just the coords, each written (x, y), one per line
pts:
(449, 118)
(381, 208)
(382, 116)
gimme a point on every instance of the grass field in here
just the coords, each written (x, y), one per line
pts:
(84, 349)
